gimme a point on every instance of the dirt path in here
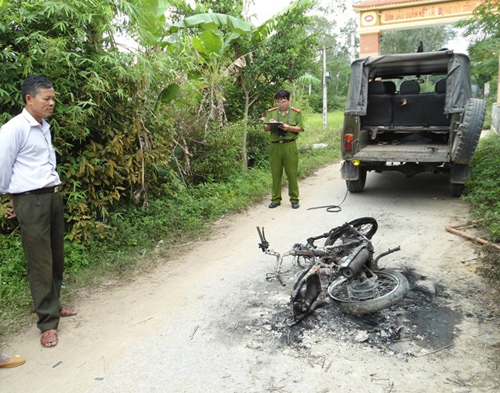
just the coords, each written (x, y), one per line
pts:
(211, 322)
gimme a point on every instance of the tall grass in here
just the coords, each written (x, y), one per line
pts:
(314, 121)
(318, 145)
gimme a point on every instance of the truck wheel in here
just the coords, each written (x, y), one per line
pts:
(457, 189)
(357, 186)
(465, 141)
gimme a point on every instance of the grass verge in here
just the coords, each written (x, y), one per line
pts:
(483, 193)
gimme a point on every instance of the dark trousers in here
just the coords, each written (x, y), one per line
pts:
(41, 217)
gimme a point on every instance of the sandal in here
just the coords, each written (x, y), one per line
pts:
(9, 362)
(49, 338)
(67, 312)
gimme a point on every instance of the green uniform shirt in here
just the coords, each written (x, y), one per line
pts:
(293, 117)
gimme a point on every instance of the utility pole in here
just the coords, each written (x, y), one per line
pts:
(325, 110)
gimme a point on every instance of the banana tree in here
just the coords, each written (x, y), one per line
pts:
(223, 38)
(307, 80)
(213, 50)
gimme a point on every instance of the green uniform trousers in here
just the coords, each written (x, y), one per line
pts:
(41, 217)
(285, 156)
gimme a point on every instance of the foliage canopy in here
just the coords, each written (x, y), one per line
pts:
(133, 124)
(484, 29)
(106, 135)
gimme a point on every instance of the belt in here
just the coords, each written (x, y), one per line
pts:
(46, 190)
(284, 141)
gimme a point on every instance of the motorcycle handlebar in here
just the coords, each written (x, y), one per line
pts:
(264, 244)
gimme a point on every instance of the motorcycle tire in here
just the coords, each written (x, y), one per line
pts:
(365, 225)
(393, 287)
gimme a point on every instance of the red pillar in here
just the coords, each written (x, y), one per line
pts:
(370, 44)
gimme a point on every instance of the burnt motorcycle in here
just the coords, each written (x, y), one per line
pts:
(345, 265)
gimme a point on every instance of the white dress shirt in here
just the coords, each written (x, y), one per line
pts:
(27, 157)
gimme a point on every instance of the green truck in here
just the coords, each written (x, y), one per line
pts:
(411, 113)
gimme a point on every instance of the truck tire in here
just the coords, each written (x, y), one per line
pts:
(471, 125)
(357, 186)
(457, 189)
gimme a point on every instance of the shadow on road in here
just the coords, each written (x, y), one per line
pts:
(425, 185)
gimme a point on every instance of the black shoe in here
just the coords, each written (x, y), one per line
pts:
(295, 205)
(272, 205)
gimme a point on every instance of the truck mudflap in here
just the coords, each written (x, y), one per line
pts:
(459, 173)
(349, 171)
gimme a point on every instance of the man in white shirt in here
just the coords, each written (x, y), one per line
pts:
(28, 175)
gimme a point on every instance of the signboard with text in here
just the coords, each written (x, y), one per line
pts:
(438, 10)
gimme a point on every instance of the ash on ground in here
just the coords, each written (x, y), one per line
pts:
(422, 323)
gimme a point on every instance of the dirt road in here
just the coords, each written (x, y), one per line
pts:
(209, 321)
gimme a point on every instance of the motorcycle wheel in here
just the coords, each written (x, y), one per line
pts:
(367, 226)
(388, 288)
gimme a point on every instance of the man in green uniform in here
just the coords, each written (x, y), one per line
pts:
(284, 151)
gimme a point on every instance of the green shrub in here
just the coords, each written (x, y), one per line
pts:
(105, 129)
(488, 117)
(257, 146)
(484, 186)
(217, 156)
(13, 265)
(15, 299)
(334, 103)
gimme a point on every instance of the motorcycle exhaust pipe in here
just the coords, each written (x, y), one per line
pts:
(354, 262)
